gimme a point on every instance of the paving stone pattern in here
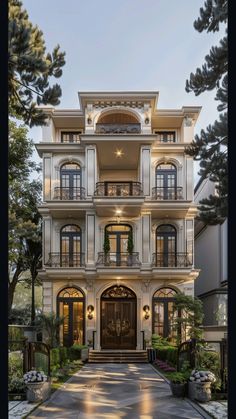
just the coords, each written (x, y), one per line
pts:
(18, 409)
(219, 410)
(114, 391)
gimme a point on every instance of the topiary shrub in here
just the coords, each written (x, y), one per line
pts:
(75, 351)
(168, 353)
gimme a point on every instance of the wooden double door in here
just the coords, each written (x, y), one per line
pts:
(118, 324)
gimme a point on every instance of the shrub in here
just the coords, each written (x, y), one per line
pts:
(15, 365)
(55, 357)
(167, 353)
(178, 377)
(63, 353)
(75, 351)
(16, 385)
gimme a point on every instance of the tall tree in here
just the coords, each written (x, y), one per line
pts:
(30, 68)
(24, 218)
(210, 147)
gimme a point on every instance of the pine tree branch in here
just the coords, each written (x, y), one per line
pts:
(27, 87)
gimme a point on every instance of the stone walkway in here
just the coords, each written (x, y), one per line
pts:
(114, 391)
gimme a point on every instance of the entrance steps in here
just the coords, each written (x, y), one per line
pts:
(118, 356)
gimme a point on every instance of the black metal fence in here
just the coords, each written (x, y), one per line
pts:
(30, 355)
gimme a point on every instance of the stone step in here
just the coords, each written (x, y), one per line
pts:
(117, 356)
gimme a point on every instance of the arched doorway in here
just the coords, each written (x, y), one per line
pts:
(163, 313)
(71, 245)
(118, 318)
(70, 175)
(166, 246)
(70, 305)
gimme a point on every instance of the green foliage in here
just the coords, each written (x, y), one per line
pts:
(210, 147)
(54, 358)
(158, 341)
(208, 360)
(15, 333)
(15, 372)
(191, 317)
(30, 68)
(75, 351)
(178, 377)
(64, 355)
(49, 324)
(24, 238)
(130, 244)
(167, 353)
(106, 244)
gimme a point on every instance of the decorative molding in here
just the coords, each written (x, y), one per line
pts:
(89, 284)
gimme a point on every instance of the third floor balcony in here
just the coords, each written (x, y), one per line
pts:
(118, 189)
(167, 193)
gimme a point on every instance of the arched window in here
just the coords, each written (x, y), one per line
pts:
(70, 174)
(163, 313)
(166, 181)
(118, 235)
(166, 246)
(118, 123)
(71, 246)
(70, 305)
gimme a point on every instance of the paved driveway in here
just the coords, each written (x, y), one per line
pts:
(114, 391)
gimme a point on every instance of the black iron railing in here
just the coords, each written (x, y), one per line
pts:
(166, 193)
(118, 259)
(118, 189)
(169, 260)
(65, 260)
(118, 128)
(68, 194)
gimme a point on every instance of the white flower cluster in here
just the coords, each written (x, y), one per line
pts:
(202, 376)
(34, 377)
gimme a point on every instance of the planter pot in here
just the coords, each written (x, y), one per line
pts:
(178, 390)
(38, 391)
(199, 391)
(84, 354)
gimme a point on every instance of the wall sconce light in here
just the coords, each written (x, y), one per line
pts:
(90, 310)
(146, 309)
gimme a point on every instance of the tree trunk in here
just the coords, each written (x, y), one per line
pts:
(12, 287)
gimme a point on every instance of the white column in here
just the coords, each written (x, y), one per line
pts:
(47, 176)
(90, 238)
(145, 172)
(91, 170)
(189, 178)
(46, 237)
(146, 238)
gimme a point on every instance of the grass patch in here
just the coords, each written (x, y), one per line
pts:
(71, 369)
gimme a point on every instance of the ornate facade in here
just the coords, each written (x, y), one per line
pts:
(118, 217)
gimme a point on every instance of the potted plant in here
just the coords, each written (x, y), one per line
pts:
(199, 385)
(130, 248)
(178, 383)
(38, 386)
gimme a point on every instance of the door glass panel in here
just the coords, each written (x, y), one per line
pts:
(159, 318)
(171, 319)
(78, 322)
(65, 328)
(123, 243)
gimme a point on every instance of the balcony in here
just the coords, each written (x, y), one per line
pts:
(118, 128)
(115, 189)
(69, 194)
(118, 259)
(172, 260)
(66, 260)
(166, 193)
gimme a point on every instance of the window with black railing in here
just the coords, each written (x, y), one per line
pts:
(166, 136)
(70, 181)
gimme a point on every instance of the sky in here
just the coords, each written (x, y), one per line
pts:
(133, 45)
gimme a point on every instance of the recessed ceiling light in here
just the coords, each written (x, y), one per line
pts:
(119, 152)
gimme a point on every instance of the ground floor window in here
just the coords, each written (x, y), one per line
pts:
(163, 313)
(70, 305)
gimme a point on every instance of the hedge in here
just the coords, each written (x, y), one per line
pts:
(167, 353)
(75, 351)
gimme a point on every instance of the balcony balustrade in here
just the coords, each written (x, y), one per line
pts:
(118, 259)
(69, 194)
(172, 260)
(66, 260)
(115, 189)
(166, 193)
(118, 128)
